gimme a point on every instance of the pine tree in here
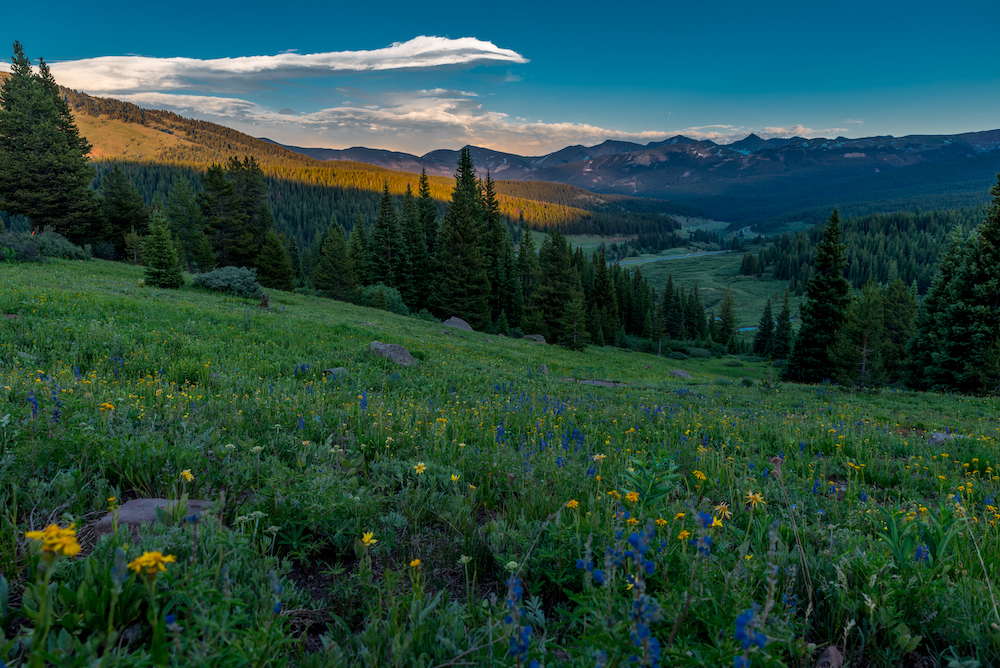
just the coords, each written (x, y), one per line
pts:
(202, 254)
(162, 268)
(186, 221)
(274, 267)
(256, 221)
(390, 262)
(428, 214)
(781, 342)
(765, 332)
(957, 343)
(726, 332)
(223, 213)
(422, 276)
(334, 272)
(122, 210)
(900, 308)
(44, 172)
(357, 251)
(462, 283)
(574, 325)
(493, 241)
(527, 265)
(511, 294)
(293, 254)
(856, 354)
(604, 295)
(555, 289)
(823, 311)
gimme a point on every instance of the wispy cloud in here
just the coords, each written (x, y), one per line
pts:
(799, 131)
(853, 120)
(135, 74)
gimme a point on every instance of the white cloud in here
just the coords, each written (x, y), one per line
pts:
(853, 120)
(133, 74)
(799, 131)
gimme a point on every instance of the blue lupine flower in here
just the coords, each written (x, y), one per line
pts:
(598, 576)
(34, 403)
(741, 662)
(277, 607)
(922, 554)
(863, 497)
(170, 619)
(364, 400)
(745, 631)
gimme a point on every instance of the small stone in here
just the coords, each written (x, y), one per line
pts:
(489, 340)
(680, 373)
(336, 373)
(392, 352)
(544, 370)
(140, 511)
(535, 337)
(457, 323)
(940, 438)
(26, 356)
(831, 658)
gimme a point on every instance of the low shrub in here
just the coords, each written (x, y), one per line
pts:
(238, 281)
(699, 353)
(384, 298)
(27, 247)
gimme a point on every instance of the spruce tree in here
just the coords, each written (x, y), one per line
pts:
(293, 254)
(574, 325)
(387, 252)
(256, 220)
(357, 251)
(162, 268)
(900, 308)
(493, 240)
(727, 322)
(781, 342)
(428, 214)
(202, 255)
(462, 283)
(44, 170)
(274, 267)
(122, 210)
(334, 272)
(765, 332)
(604, 295)
(222, 209)
(856, 354)
(511, 294)
(422, 276)
(957, 343)
(823, 311)
(185, 219)
(527, 266)
(556, 285)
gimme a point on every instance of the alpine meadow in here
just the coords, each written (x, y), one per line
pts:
(715, 397)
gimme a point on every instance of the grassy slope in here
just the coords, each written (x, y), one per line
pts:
(189, 372)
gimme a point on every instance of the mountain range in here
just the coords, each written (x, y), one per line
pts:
(752, 180)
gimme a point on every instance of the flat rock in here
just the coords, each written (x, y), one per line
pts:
(139, 511)
(680, 373)
(831, 658)
(336, 373)
(457, 323)
(940, 438)
(392, 352)
(535, 337)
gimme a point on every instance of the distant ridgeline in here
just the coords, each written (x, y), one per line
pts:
(305, 193)
(880, 246)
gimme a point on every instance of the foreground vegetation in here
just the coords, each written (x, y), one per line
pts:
(472, 509)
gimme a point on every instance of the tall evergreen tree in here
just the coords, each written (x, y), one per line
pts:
(185, 220)
(428, 214)
(257, 221)
(781, 342)
(293, 254)
(463, 287)
(574, 325)
(122, 210)
(44, 172)
(957, 343)
(856, 354)
(511, 295)
(162, 268)
(494, 239)
(357, 251)
(387, 252)
(556, 284)
(334, 274)
(422, 274)
(900, 309)
(765, 332)
(528, 270)
(604, 296)
(726, 331)
(823, 311)
(274, 267)
(222, 209)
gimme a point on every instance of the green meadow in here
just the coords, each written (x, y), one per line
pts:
(484, 507)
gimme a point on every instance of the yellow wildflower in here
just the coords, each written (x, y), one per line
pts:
(368, 538)
(614, 495)
(700, 476)
(684, 535)
(633, 497)
(755, 499)
(631, 520)
(415, 563)
(56, 540)
(660, 522)
(186, 475)
(716, 522)
(420, 468)
(679, 516)
(723, 510)
(572, 504)
(598, 458)
(455, 478)
(152, 563)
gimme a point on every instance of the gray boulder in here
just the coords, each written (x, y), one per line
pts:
(940, 438)
(680, 373)
(393, 353)
(336, 373)
(457, 323)
(535, 337)
(544, 370)
(139, 511)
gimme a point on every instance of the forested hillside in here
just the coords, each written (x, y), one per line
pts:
(881, 247)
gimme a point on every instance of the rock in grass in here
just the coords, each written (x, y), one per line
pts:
(940, 438)
(544, 370)
(831, 658)
(535, 337)
(680, 373)
(138, 511)
(457, 323)
(336, 373)
(393, 353)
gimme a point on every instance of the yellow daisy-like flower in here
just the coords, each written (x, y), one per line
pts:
(368, 539)
(614, 495)
(684, 535)
(716, 522)
(598, 458)
(700, 476)
(679, 516)
(455, 478)
(755, 499)
(633, 497)
(631, 520)
(186, 475)
(420, 468)
(415, 563)
(151, 563)
(472, 487)
(107, 406)
(572, 504)
(660, 522)
(723, 510)
(56, 540)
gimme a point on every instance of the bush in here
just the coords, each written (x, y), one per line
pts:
(515, 333)
(238, 281)
(733, 363)
(752, 358)
(675, 355)
(104, 251)
(384, 298)
(699, 353)
(27, 247)
(424, 314)
(779, 364)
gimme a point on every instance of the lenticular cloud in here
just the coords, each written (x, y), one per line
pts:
(118, 74)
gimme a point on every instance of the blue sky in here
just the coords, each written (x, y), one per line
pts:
(531, 77)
